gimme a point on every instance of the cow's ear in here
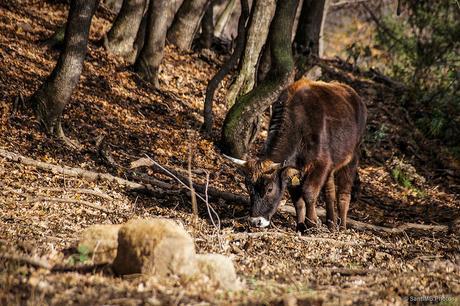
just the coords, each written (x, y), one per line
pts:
(291, 176)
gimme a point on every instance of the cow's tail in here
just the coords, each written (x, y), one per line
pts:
(356, 189)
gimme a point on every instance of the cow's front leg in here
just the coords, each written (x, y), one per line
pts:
(299, 204)
(311, 188)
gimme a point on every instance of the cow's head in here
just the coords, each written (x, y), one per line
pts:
(266, 182)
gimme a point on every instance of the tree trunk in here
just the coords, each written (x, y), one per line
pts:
(207, 27)
(261, 17)
(114, 5)
(160, 15)
(308, 42)
(242, 121)
(224, 17)
(50, 99)
(121, 36)
(186, 23)
(233, 60)
(264, 64)
(309, 37)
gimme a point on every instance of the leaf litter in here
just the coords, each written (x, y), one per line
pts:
(276, 265)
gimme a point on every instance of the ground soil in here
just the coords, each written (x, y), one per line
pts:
(350, 267)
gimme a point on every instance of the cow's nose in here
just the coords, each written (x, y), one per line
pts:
(259, 222)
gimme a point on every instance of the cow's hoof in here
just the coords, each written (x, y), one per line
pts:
(332, 226)
(301, 228)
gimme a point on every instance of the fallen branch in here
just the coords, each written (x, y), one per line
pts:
(174, 174)
(358, 225)
(229, 197)
(75, 172)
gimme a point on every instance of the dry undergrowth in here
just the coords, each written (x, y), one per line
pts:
(340, 268)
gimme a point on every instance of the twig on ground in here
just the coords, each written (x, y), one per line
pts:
(190, 181)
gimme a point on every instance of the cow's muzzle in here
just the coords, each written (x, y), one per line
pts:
(259, 222)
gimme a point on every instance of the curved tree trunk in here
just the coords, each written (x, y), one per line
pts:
(160, 15)
(242, 121)
(309, 36)
(233, 60)
(50, 99)
(261, 17)
(186, 23)
(121, 36)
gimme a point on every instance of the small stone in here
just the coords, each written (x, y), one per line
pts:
(219, 269)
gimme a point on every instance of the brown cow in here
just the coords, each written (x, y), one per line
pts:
(314, 136)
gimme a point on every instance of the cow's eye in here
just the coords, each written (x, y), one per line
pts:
(269, 188)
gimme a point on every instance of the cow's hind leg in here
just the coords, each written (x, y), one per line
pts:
(345, 178)
(331, 218)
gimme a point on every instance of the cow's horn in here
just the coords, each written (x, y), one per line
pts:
(236, 160)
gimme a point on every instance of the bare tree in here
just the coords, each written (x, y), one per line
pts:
(54, 94)
(186, 23)
(309, 36)
(242, 121)
(160, 15)
(207, 26)
(122, 35)
(261, 17)
(233, 60)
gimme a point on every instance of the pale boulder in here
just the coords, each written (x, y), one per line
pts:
(101, 241)
(154, 247)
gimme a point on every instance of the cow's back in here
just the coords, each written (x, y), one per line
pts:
(319, 120)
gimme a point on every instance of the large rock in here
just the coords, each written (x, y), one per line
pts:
(220, 270)
(101, 241)
(154, 246)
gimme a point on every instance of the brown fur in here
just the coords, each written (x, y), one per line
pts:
(316, 128)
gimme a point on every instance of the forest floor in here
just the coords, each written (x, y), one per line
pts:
(351, 267)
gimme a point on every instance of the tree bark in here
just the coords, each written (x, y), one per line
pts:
(51, 98)
(186, 23)
(308, 40)
(160, 15)
(233, 60)
(242, 121)
(207, 26)
(224, 17)
(261, 17)
(121, 36)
